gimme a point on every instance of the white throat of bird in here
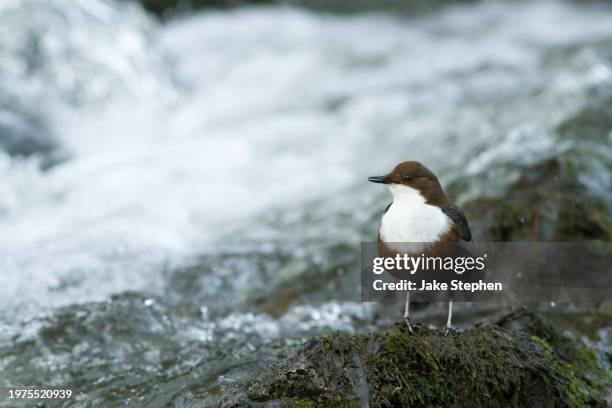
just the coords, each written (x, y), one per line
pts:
(411, 219)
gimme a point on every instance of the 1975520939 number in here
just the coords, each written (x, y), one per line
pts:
(27, 393)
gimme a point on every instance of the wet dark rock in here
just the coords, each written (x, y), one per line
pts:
(391, 6)
(516, 360)
(547, 203)
(164, 8)
(593, 122)
(562, 198)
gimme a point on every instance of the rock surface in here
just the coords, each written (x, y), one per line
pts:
(516, 360)
(546, 204)
(562, 197)
(163, 8)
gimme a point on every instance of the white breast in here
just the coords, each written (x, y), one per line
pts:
(411, 219)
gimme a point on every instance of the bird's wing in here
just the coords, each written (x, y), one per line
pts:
(387, 209)
(458, 216)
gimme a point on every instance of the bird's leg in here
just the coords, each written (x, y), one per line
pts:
(407, 312)
(449, 326)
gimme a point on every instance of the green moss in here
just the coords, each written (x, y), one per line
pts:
(333, 402)
(548, 203)
(492, 365)
(305, 403)
(577, 393)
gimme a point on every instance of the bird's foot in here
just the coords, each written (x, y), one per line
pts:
(407, 321)
(448, 330)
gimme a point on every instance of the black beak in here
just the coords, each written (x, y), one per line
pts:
(379, 179)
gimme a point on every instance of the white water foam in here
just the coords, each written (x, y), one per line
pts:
(273, 107)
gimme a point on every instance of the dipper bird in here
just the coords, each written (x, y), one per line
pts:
(421, 213)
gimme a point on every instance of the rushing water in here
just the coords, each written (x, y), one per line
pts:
(181, 202)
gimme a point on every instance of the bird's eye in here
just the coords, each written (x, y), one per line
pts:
(408, 177)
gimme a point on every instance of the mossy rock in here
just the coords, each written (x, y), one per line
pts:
(592, 123)
(557, 199)
(517, 360)
(547, 203)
